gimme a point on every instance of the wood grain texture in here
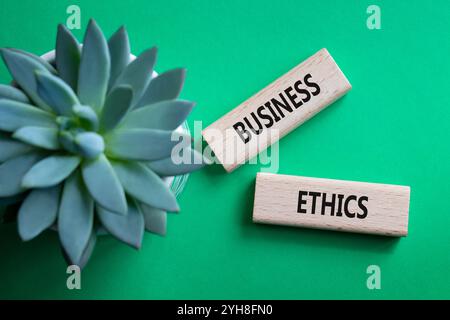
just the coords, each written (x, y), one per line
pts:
(277, 200)
(319, 69)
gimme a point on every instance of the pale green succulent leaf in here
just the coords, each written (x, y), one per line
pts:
(155, 219)
(166, 115)
(87, 117)
(13, 171)
(46, 138)
(50, 171)
(15, 115)
(128, 228)
(141, 144)
(56, 93)
(138, 73)
(89, 144)
(67, 56)
(117, 105)
(37, 59)
(11, 93)
(144, 185)
(104, 185)
(22, 68)
(38, 212)
(119, 50)
(166, 86)
(75, 218)
(11, 148)
(94, 68)
(186, 161)
(87, 252)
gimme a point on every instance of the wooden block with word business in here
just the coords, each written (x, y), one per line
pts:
(331, 204)
(276, 110)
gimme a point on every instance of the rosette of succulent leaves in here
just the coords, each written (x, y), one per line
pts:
(86, 141)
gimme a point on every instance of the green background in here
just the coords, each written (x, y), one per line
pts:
(393, 127)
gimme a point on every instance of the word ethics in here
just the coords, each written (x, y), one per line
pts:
(276, 110)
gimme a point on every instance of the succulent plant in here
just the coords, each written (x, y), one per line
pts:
(86, 141)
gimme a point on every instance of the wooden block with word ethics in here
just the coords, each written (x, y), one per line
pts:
(276, 110)
(331, 204)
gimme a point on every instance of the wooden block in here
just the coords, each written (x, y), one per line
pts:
(308, 202)
(276, 110)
